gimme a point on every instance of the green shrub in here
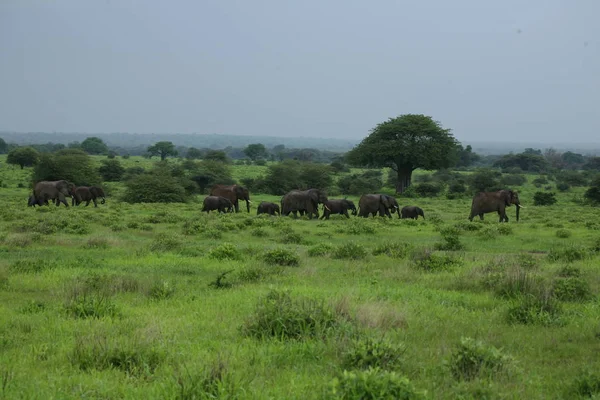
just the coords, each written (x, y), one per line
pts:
(281, 256)
(165, 242)
(350, 250)
(563, 233)
(279, 316)
(516, 282)
(225, 251)
(426, 260)
(212, 382)
(541, 309)
(91, 305)
(158, 187)
(456, 190)
(563, 187)
(568, 254)
(96, 243)
(474, 359)
(357, 226)
(571, 288)
(161, 290)
(357, 184)
(539, 181)
(369, 352)
(39, 265)
(527, 261)
(427, 189)
(319, 250)
(291, 237)
(544, 199)
(373, 384)
(393, 249)
(586, 385)
(592, 194)
(513, 180)
(252, 273)
(259, 232)
(450, 240)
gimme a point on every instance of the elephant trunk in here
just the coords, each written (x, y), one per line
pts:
(248, 202)
(103, 200)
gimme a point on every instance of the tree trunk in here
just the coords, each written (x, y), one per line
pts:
(403, 181)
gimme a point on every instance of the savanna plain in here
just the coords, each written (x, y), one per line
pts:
(163, 301)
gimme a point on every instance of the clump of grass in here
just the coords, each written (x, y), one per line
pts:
(527, 261)
(320, 250)
(393, 249)
(474, 359)
(539, 309)
(279, 316)
(515, 283)
(165, 242)
(563, 233)
(357, 226)
(350, 250)
(34, 307)
(161, 290)
(450, 240)
(28, 266)
(91, 305)
(259, 232)
(19, 241)
(225, 251)
(212, 233)
(586, 385)
(467, 226)
(291, 237)
(252, 273)
(570, 285)
(96, 243)
(373, 384)
(212, 382)
(281, 256)
(132, 356)
(117, 228)
(220, 282)
(427, 260)
(370, 352)
(568, 253)
(491, 232)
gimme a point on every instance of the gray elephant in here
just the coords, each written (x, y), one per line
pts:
(487, 202)
(303, 200)
(57, 191)
(266, 207)
(338, 207)
(233, 193)
(32, 201)
(371, 204)
(88, 194)
(219, 203)
(412, 212)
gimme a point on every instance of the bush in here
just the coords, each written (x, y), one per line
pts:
(154, 188)
(573, 178)
(427, 189)
(473, 359)
(208, 173)
(571, 288)
(426, 260)
(586, 385)
(456, 190)
(281, 257)
(541, 309)
(161, 290)
(357, 184)
(563, 187)
(568, 254)
(513, 180)
(451, 240)
(279, 316)
(350, 250)
(357, 226)
(563, 233)
(373, 384)
(225, 251)
(393, 249)
(484, 180)
(319, 250)
(69, 164)
(91, 305)
(111, 170)
(33, 266)
(592, 194)
(515, 283)
(165, 242)
(544, 199)
(373, 353)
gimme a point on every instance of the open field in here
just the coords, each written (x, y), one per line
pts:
(125, 301)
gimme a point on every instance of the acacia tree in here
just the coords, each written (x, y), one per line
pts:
(256, 151)
(162, 149)
(94, 145)
(404, 144)
(23, 157)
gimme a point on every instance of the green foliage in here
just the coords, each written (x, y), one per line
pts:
(563, 187)
(393, 249)
(426, 260)
(256, 151)
(371, 352)
(320, 250)
(373, 384)
(212, 382)
(484, 180)
(405, 143)
(194, 154)
(456, 190)
(111, 170)
(573, 178)
(517, 282)
(91, 305)
(474, 359)
(281, 256)
(72, 165)
(157, 187)
(216, 155)
(163, 149)
(524, 161)
(161, 290)
(593, 193)
(540, 308)
(279, 316)
(225, 251)
(427, 189)
(209, 173)
(369, 181)
(571, 287)
(28, 266)
(23, 157)
(544, 199)
(165, 242)
(513, 180)
(94, 145)
(568, 253)
(451, 240)
(586, 385)
(350, 250)
(3, 146)
(291, 175)
(563, 233)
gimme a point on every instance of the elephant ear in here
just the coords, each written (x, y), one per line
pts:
(508, 196)
(314, 195)
(239, 192)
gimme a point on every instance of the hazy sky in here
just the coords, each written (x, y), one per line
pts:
(510, 70)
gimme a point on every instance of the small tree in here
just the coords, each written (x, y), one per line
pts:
(216, 155)
(111, 170)
(209, 173)
(94, 145)
(154, 188)
(73, 165)
(404, 144)
(593, 193)
(162, 149)
(23, 157)
(3, 146)
(256, 151)
(193, 153)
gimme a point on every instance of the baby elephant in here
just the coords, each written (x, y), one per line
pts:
(338, 207)
(268, 208)
(412, 212)
(219, 203)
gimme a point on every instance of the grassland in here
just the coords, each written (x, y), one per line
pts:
(130, 301)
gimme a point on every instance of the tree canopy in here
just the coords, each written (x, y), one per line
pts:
(256, 151)
(3, 146)
(23, 157)
(162, 149)
(404, 144)
(70, 164)
(94, 145)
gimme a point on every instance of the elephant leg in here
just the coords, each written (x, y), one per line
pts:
(95, 204)
(346, 214)
(87, 203)
(61, 199)
(236, 205)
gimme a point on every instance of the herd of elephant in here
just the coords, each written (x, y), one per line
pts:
(58, 192)
(226, 198)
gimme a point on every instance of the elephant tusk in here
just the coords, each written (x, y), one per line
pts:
(327, 208)
(249, 202)
(520, 206)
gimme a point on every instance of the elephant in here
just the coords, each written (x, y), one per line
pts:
(32, 201)
(338, 207)
(303, 201)
(57, 191)
(222, 204)
(87, 194)
(268, 208)
(377, 203)
(412, 212)
(486, 202)
(234, 193)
